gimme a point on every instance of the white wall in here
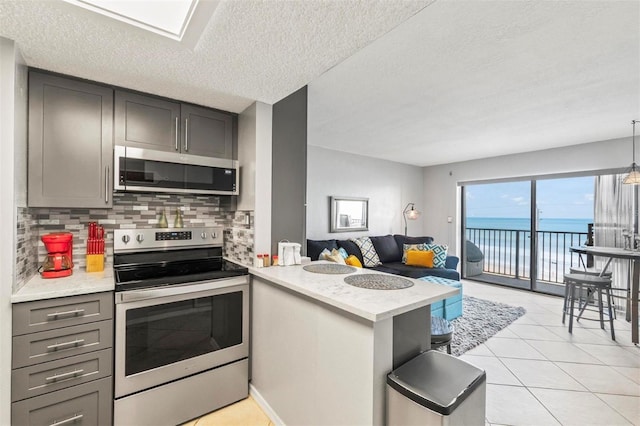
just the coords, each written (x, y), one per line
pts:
(262, 236)
(388, 185)
(247, 158)
(13, 140)
(442, 194)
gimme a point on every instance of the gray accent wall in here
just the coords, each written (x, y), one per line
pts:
(389, 186)
(289, 169)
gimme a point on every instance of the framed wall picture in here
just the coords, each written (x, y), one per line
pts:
(349, 214)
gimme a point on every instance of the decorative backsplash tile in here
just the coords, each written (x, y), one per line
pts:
(26, 251)
(130, 211)
(238, 238)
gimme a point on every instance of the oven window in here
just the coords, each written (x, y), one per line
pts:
(163, 334)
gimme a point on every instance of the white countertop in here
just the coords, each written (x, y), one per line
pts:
(80, 282)
(373, 305)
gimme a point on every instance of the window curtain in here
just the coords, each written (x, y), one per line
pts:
(615, 213)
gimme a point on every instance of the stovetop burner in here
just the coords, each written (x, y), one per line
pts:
(158, 262)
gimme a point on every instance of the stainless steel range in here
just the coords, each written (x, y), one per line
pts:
(182, 326)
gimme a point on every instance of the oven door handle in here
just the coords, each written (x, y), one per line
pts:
(154, 293)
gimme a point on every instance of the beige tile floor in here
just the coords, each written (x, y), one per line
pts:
(537, 373)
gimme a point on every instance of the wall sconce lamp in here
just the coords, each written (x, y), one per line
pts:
(410, 213)
(633, 176)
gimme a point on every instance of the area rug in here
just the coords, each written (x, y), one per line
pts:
(480, 320)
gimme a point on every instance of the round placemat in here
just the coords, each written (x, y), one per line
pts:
(378, 282)
(329, 268)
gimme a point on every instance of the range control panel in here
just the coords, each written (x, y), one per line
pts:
(127, 240)
(173, 235)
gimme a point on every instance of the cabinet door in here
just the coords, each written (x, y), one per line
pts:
(86, 404)
(146, 122)
(70, 143)
(206, 132)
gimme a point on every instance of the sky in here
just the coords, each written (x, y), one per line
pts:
(570, 198)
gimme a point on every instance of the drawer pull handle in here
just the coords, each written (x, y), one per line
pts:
(75, 312)
(77, 342)
(68, 375)
(67, 421)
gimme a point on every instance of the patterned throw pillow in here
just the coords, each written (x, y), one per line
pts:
(439, 254)
(414, 247)
(369, 253)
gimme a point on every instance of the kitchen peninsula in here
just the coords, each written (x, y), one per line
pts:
(321, 349)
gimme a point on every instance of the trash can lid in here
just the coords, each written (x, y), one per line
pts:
(437, 381)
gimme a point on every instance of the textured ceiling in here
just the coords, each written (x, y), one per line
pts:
(250, 50)
(465, 80)
(418, 82)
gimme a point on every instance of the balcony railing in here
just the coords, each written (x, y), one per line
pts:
(507, 252)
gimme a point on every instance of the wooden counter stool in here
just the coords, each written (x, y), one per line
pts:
(575, 286)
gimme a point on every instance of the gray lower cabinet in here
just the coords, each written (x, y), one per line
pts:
(70, 143)
(153, 123)
(87, 404)
(62, 361)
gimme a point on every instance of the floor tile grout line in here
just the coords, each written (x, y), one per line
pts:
(614, 408)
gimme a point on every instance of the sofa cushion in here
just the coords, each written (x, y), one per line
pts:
(387, 248)
(351, 248)
(400, 268)
(315, 247)
(401, 240)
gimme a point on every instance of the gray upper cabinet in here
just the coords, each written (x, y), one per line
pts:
(206, 132)
(146, 122)
(70, 143)
(154, 123)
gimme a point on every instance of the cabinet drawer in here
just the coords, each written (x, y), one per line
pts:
(86, 404)
(50, 345)
(51, 376)
(41, 315)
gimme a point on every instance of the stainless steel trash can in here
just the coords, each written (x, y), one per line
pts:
(436, 389)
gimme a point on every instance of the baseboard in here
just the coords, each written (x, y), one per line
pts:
(264, 405)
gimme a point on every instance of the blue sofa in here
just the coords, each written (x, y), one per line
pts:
(389, 249)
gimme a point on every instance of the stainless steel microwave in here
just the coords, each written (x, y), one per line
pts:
(147, 170)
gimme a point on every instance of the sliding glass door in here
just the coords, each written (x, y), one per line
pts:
(497, 220)
(519, 233)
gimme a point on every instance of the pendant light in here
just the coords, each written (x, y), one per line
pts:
(633, 177)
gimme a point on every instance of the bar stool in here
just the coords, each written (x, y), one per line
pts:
(441, 333)
(592, 284)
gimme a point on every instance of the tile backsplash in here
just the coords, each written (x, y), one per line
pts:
(130, 210)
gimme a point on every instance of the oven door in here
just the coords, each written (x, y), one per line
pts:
(164, 334)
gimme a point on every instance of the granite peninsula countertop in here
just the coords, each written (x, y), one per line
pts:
(373, 305)
(80, 282)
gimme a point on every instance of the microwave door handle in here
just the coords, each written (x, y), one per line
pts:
(177, 134)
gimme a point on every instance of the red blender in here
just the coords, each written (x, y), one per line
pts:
(58, 262)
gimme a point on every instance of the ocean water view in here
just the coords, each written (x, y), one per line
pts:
(523, 224)
(503, 240)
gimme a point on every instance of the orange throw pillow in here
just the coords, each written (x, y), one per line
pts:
(353, 261)
(420, 258)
